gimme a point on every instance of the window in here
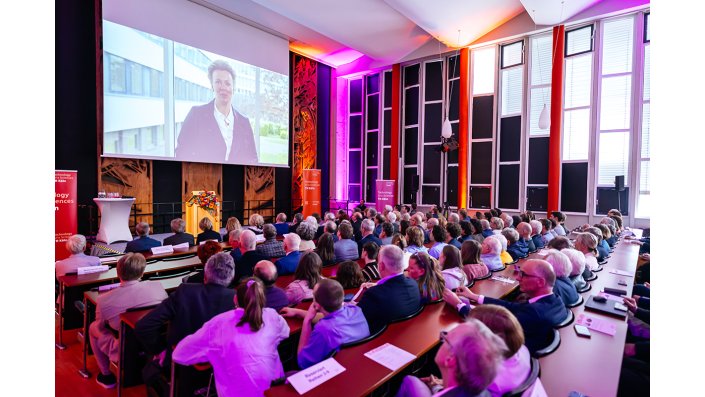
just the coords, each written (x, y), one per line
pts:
(117, 74)
(578, 41)
(483, 71)
(482, 153)
(512, 54)
(643, 201)
(540, 83)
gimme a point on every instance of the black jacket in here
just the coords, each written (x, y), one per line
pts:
(396, 298)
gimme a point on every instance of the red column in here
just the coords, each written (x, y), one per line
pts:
(396, 122)
(463, 129)
(554, 145)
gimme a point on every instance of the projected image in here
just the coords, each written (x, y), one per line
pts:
(167, 100)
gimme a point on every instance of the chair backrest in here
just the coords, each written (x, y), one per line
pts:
(485, 277)
(157, 276)
(500, 269)
(363, 340)
(599, 268)
(176, 258)
(567, 321)
(586, 288)
(528, 382)
(138, 308)
(412, 315)
(591, 278)
(577, 302)
(553, 346)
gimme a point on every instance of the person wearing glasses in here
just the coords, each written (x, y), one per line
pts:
(470, 358)
(538, 315)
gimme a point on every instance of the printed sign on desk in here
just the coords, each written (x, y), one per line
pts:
(385, 194)
(66, 210)
(312, 192)
(314, 375)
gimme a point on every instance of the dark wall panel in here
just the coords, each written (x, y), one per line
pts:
(510, 139)
(411, 106)
(480, 197)
(372, 141)
(356, 96)
(538, 161)
(411, 75)
(574, 187)
(607, 199)
(411, 139)
(372, 112)
(431, 164)
(433, 122)
(537, 199)
(482, 115)
(354, 167)
(410, 174)
(481, 163)
(434, 81)
(355, 132)
(234, 191)
(508, 190)
(388, 89)
(385, 163)
(452, 186)
(387, 127)
(372, 83)
(432, 195)
(371, 187)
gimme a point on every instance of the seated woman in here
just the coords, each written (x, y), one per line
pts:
(470, 255)
(578, 272)
(232, 224)
(399, 240)
(602, 232)
(349, 275)
(307, 231)
(587, 244)
(307, 274)
(325, 249)
(427, 275)
(255, 223)
(414, 237)
(206, 226)
(452, 267)
(563, 287)
(560, 219)
(240, 344)
(204, 252)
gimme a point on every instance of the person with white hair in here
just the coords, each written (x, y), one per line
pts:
(76, 245)
(142, 243)
(563, 287)
(248, 245)
(507, 220)
(525, 230)
(207, 232)
(367, 229)
(490, 254)
(453, 218)
(387, 209)
(292, 245)
(504, 255)
(536, 227)
(328, 217)
(307, 232)
(255, 223)
(515, 248)
(178, 227)
(497, 225)
(578, 268)
(394, 296)
(486, 228)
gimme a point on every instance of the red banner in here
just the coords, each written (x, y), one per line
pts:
(312, 192)
(66, 210)
(385, 194)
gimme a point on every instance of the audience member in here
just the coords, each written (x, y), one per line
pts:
(271, 248)
(288, 264)
(497, 225)
(491, 251)
(76, 245)
(298, 218)
(142, 243)
(554, 223)
(274, 296)
(395, 296)
(536, 227)
(504, 255)
(307, 274)
(587, 244)
(538, 315)
(414, 239)
(524, 229)
(486, 228)
(233, 224)
(307, 231)
(345, 247)
(428, 276)
(438, 238)
(369, 255)
(546, 234)
(204, 252)
(452, 267)
(560, 227)
(578, 268)
(564, 287)
(240, 344)
(349, 274)
(368, 235)
(207, 232)
(559, 243)
(472, 265)
(249, 258)
(454, 231)
(281, 225)
(131, 293)
(516, 248)
(507, 220)
(477, 230)
(400, 241)
(255, 223)
(387, 233)
(178, 226)
(326, 249)
(234, 241)
(603, 249)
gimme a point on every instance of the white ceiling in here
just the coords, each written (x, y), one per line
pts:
(382, 32)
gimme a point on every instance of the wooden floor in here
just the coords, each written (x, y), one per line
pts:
(70, 383)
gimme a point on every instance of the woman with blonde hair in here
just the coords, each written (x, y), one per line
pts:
(240, 344)
(452, 267)
(232, 224)
(414, 239)
(255, 223)
(206, 226)
(428, 275)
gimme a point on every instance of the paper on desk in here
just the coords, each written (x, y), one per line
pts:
(92, 269)
(390, 356)
(260, 238)
(611, 297)
(504, 279)
(109, 259)
(597, 324)
(621, 273)
(314, 375)
(181, 247)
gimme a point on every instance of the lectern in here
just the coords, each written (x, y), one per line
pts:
(194, 214)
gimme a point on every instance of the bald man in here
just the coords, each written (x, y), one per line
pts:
(274, 296)
(538, 315)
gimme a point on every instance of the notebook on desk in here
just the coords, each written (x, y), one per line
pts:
(606, 307)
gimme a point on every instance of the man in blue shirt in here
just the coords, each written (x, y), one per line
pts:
(289, 263)
(335, 324)
(143, 243)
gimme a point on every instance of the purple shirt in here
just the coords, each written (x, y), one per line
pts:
(347, 324)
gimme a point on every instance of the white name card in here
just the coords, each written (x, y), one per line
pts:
(621, 273)
(203, 242)
(314, 375)
(92, 269)
(390, 356)
(166, 249)
(180, 247)
(109, 259)
(259, 238)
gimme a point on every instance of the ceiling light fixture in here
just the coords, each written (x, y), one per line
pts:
(447, 129)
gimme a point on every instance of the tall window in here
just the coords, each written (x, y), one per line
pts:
(643, 202)
(482, 132)
(372, 91)
(510, 125)
(355, 95)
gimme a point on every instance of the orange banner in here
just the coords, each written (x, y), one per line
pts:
(312, 192)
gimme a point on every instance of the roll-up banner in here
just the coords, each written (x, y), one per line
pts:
(312, 192)
(66, 210)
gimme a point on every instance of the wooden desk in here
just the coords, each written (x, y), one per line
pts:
(592, 366)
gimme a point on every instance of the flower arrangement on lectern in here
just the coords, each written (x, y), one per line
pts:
(206, 200)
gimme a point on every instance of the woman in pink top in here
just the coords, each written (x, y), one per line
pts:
(240, 344)
(472, 265)
(307, 275)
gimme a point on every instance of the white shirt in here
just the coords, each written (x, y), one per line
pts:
(226, 125)
(244, 362)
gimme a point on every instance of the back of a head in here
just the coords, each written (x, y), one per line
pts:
(453, 218)
(452, 255)
(233, 224)
(431, 222)
(250, 296)
(439, 234)
(329, 294)
(454, 230)
(326, 247)
(544, 270)
(269, 231)
(399, 240)
(494, 245)
(508, 221)
(76, 244)
(312, 220)
(470, 251)
(266, 271)
(307, 230)
(516, 220)
(577, 260)
(205, 224)
(587, 240)
(256, 220)
(345, 230)
(597, 232)
(502, 240)
(478, 352)
(309, 268)
(536, 226)
(560, 217)
(142, 229)
(560, 243)
(281, 217)
(414, 236)
(298, 217)
(208, 249)
(219, 269)
(511, 235)
(388, 229)
(502, 323)
(368, 226)
(331, 227)
(131, 266)
(248, 240)
(292, 241)
(393, 258)
(178, 225)
(560, 263)
(545, 223)
(485, 224)
(349, 275)
(234, 236)
(372, 249)
(524, 228)
(392, 217)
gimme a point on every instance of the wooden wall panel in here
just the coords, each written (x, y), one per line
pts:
(200, 176)
(304, 117)
(259, 192)
(129, 177)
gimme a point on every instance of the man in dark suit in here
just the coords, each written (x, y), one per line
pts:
(185, 311)
(178, 226)
(367, 229)
(142, 243)
(288, 264)
(538, 315)
(395, 296)
(249, 258)
(281, 225)
(216, 132)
